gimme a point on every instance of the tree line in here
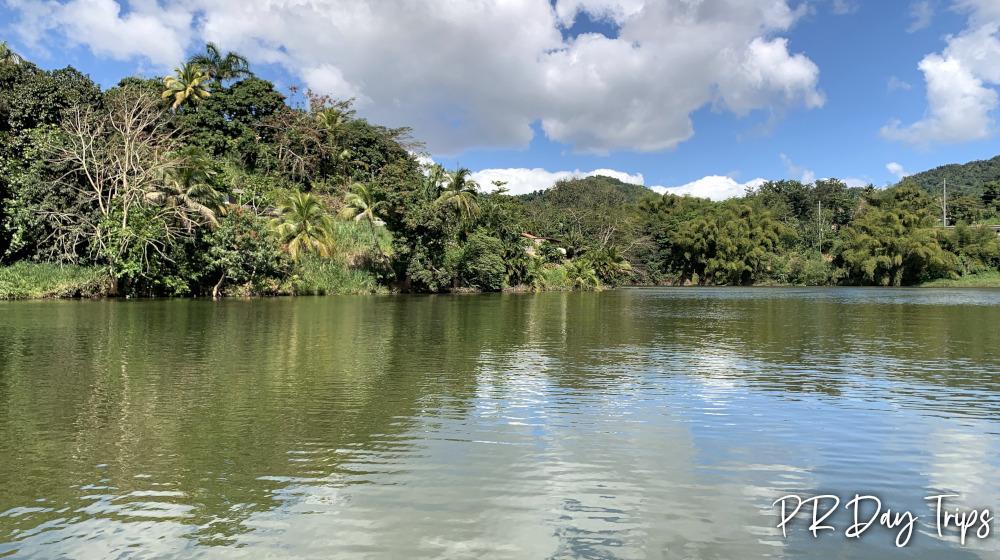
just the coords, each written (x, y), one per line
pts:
(211, 182)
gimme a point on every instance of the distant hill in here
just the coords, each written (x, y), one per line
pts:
(588, 191)
(963, 180)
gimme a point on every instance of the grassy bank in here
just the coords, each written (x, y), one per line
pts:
(26, 280)
(989, 279)
(319, 277)
(351, 270)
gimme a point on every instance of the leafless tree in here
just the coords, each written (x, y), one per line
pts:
(110, 161)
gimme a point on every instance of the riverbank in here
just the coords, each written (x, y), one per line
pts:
(26, 280)
(314, 277)
(989, 279)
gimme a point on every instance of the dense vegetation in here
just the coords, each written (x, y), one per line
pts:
(964, 181)
(210, 182)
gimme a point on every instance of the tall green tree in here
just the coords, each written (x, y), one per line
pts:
(461, 192)
(102, 165)
(187, 190)
(582, 276)
(892, 242)
(430, 188)
(226, 124)
(242, 250)
(187, 87)
(304, 226)
(221, 68)
(362, 203)
(978, 248)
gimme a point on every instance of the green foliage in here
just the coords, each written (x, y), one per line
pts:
(8, 56)
(304, 226)
(809, 269)
(31, 98)
(353, 240)
(963, 180)
(987, 279)
(991, 194)
(333, 276)
(580, 275)
(462, 193)
(481, 266)
(187, 87)
(363, 203)
(28, 280)
(728, 244)
(892, 243)
(597, 190)
(187, 190)
(554, 277)
(966, 209)
(609, 264)
(226, 123)
(221, 67)
(172, 202)
(978, 248)
(244, 256)
(142, 255)
(549, 252)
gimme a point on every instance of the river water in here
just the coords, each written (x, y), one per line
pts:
(636, 423)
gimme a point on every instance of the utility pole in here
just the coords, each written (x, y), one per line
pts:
(944, 204)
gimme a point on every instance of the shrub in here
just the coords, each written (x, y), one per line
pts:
(27, 280)
(481, 265)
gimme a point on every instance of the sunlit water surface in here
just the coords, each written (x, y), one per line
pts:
(637, 423)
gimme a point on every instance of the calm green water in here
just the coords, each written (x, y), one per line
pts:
(638, 423)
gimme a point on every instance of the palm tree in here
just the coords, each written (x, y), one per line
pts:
(581, 275)
(9, 56)
(462, 192)
(361, 204)
(187, 190)
(304, 226)
(188, 86)
(609, 264)
(218, 67)
(433, 181)
(332, 119)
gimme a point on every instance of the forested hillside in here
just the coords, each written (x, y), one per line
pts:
(211, 182)
(598, 185)
(964, 180)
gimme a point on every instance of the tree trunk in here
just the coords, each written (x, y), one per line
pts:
(215, 289)
(113, 291)
(371, 224)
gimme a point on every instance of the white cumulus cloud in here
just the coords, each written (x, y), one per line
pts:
(715, 187)
(479, 74)
(961, 80)
(896, 169)
(146, 29)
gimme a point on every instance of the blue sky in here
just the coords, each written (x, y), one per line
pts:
(700, 96)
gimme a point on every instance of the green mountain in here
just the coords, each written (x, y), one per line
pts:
(588, 191)
(963, 180)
